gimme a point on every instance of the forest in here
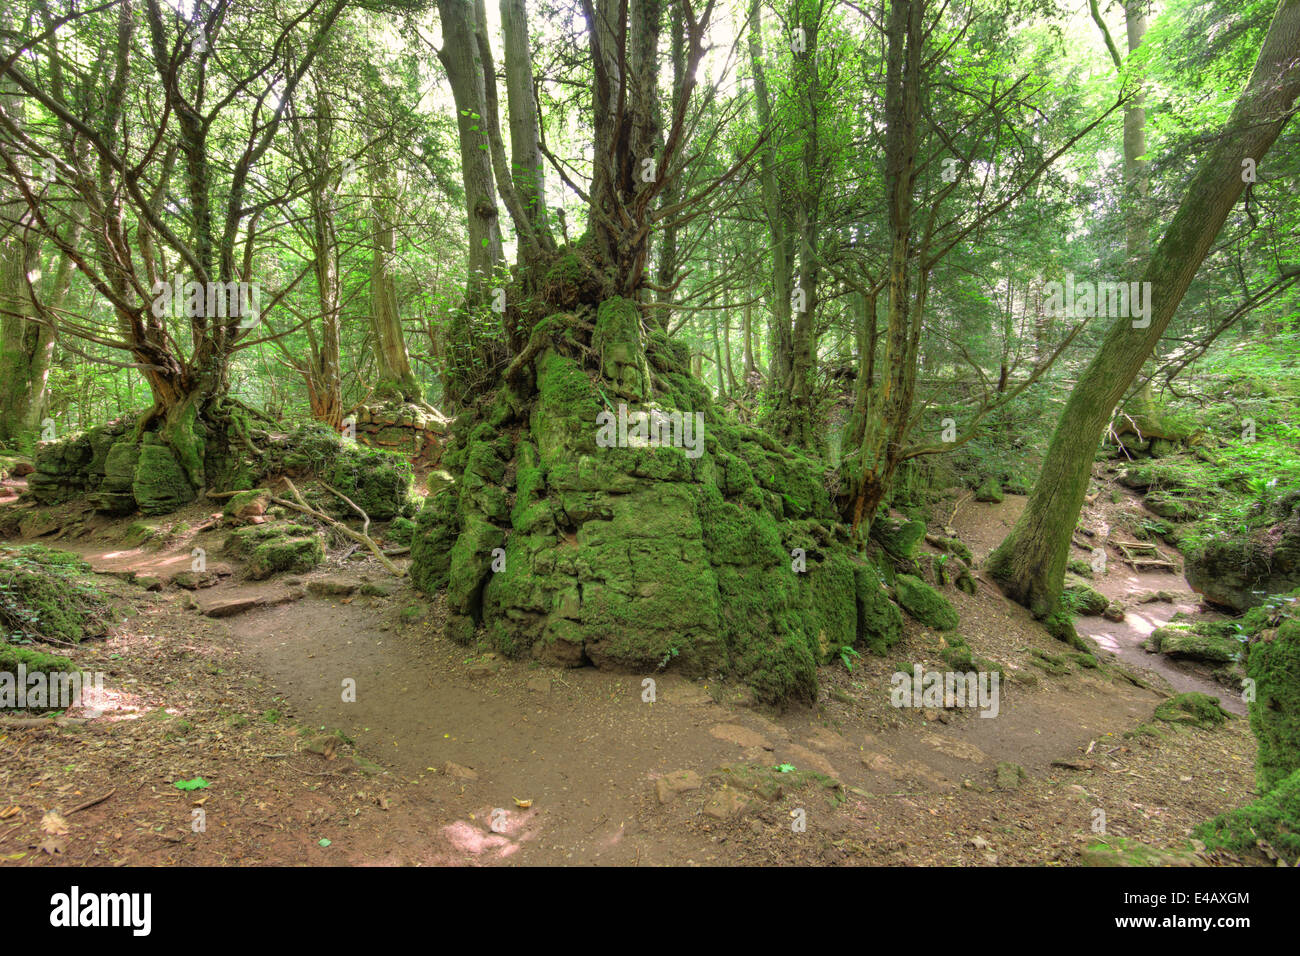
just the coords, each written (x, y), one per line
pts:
(650, 432)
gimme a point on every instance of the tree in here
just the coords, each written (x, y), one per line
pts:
(1030, 563)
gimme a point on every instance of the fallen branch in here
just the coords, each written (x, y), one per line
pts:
(52, 721)
(365, 527)
(299, 505)
(953, 516)
(90, 803)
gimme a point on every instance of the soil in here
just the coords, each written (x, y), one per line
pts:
(447, 756)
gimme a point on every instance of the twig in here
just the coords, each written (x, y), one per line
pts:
(90, 803)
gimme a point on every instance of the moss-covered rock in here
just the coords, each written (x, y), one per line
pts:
(379, 482)
(1274, 818)
(990, 491)
(160, 484)
(284, 555)
(399, 531)
(925, 603)
(1082, 598)
(276, 547)
(247, 504)
(899, 538)
(720, 554)
(1274, 665)
(880, 622)
(1195, 708)
(1196, 642)
(48, 595)
(1241, 571)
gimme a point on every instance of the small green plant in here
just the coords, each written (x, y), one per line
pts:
(672, 652)
(847, 656)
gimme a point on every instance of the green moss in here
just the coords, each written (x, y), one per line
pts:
(48, 595)
(780, 671)
(400, 531)
(880, 622)
(160, 484)
(899, 538)
(1195, 642)
(1054, 664)
(925, 603)
(285, 555)
(990, 491)
(1274, 666)
(33, 661)
(239, 501)
(1200, 710)
(242, 541)
(379, 482)
(1274, 819)
(1082, 598)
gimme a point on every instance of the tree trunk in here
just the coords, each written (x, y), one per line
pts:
(461, 58)
(396, 379)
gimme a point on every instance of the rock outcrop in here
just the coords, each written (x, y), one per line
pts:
(603, 511)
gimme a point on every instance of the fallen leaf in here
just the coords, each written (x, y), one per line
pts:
(53, 845)
(53, 824)
(523, 804)
(8, 812)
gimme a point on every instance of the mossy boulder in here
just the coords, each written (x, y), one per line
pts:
(1273, 664)
(399, 531)
(1083, 598)
(1196, 642)
(990, 491)
(160, 484)
(899, 538)
(880, 622)
(285, 555)
(924, 603)
(48, 595)
(713, 550)
(274, 548)
(379, 482)
(247, 504)
(1241, 571)
(1274, 818)
(1195, 708)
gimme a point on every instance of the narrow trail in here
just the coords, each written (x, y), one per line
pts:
(984, 526)
(506, 762)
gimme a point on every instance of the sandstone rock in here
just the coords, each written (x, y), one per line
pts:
(670, 785)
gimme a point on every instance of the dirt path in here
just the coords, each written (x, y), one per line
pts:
(983, 526)
(448, 756)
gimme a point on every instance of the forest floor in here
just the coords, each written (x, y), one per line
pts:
(451, 757)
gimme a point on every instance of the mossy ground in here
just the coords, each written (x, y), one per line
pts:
(48, 595)
(1274, 819)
